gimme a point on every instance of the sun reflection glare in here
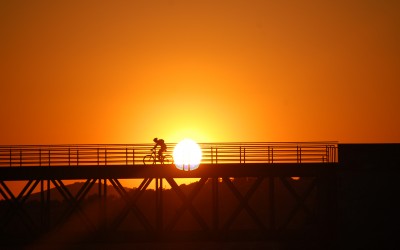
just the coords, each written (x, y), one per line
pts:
(187, 155)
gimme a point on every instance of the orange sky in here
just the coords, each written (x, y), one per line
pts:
(128, 71)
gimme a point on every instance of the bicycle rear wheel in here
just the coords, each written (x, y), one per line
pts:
(148, 160)
(168, 160)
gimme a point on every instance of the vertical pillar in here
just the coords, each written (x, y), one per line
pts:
(42, 207)
(272, 202)
(100, 202)
(159, 205)
(48, 201)
(215, 204)
(103, 204)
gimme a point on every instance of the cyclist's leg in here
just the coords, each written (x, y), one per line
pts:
(160, 154)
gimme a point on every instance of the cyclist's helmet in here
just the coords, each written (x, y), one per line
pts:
(155, 139)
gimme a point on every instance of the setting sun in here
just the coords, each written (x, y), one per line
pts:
(187, 155)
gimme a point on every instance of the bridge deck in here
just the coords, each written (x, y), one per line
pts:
(164, 171)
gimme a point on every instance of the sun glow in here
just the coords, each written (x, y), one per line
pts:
(187, 155)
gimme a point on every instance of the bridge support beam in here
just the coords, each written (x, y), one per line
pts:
(253, 202)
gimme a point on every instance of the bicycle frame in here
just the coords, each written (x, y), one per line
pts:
(152, 159)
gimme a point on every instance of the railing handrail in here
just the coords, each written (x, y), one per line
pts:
(132, 154)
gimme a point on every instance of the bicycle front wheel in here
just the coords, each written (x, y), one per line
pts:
(148, 160)
(168, 160)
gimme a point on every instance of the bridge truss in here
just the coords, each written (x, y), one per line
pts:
(259, 191)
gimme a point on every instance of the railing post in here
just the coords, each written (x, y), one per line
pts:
(105, 156)
(98, 157)
(240, 153)
(300, 154)
(327, 153)
(77, 156)
(133, 156)
(10, 157)
(49, 157)
(272, 155)
(212, 156)
(216, 156)
(20, 157)
(334, 148)
(40, 157)
(126, 156)
(244, 155)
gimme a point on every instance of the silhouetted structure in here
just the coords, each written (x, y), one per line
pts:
(244, 192)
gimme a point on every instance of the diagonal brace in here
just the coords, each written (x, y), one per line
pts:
(17, 202)
(131, 203)
(75, 201)
(300, 200)
(243, 203)
(187, 203)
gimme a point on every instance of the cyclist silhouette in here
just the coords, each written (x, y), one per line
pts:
(163, 147)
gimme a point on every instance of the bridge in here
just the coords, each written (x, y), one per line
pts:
(248, 191)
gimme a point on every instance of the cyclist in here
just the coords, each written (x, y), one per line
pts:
(163, 147)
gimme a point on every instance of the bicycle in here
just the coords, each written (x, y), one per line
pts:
(152, 159)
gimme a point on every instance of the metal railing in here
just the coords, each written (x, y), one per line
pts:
(132, 154)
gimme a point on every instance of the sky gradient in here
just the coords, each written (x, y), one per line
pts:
(213, 71)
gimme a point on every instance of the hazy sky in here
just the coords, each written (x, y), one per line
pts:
(211, 70)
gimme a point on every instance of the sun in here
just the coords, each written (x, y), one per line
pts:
(187, 155)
